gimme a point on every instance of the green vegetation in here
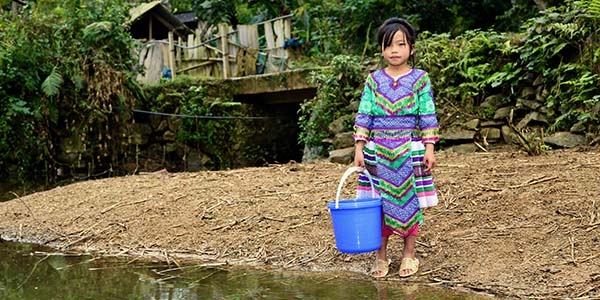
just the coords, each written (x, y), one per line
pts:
(67, 73)
(65, 70)
(557, 53)
(338, 85)
(186, 97)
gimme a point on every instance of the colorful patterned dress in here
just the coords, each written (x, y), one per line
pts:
(396, 118)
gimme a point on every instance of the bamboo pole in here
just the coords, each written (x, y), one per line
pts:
(179, 52)
(224, 47)
(171, 55)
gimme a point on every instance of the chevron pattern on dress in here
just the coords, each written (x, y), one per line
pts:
(403, 218)
(388, 152)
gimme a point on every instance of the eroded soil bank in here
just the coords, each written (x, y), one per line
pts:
(508, 224)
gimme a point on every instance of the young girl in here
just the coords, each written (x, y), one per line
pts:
(395, 131)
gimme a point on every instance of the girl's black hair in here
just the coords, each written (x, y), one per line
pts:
(385, 33)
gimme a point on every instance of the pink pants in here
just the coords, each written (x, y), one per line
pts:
(387, 231)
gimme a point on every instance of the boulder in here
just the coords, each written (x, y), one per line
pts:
(565, 139)
(473, 124)
(455, 135)
(342, 156)
(463, 148)
(503, 113)
(341, 124)
(343, 140)
(532, 117)
(493, 101)
(491, 134)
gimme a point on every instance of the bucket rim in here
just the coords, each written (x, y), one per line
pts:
(356, 203)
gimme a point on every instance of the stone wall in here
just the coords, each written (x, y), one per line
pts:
(520, 123)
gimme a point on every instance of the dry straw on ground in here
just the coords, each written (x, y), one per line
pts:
(508, 224)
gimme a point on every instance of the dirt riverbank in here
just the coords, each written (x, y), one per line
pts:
(508, 224)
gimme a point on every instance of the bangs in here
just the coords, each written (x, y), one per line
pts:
(386, 34)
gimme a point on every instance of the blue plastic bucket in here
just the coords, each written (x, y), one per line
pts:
(356, 222)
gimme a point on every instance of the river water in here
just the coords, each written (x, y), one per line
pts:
(32, 272)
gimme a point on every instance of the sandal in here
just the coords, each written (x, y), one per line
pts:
(409, 264)
(380, 266)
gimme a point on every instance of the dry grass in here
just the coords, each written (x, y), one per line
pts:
(507, 224)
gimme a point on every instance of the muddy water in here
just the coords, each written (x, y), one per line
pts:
(30, 272)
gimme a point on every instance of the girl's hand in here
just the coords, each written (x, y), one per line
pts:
(429, 158)
(359, 156)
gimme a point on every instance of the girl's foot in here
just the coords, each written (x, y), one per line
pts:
(380, 268)
(408, 267)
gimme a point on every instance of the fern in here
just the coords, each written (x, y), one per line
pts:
(594, 9)
(569, 30)
(97, 31)
(52, 83)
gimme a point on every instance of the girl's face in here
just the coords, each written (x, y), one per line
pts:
(398, 52)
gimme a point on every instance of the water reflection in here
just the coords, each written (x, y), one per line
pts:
(27, 274)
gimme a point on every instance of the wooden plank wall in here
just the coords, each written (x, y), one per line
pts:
(197, 58)
(202, 56)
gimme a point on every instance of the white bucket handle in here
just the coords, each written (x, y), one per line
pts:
(345, 176)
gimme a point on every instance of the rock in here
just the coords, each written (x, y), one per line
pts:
(458, 134)
(473, 124)
(578, 127)
(342, 156)
(310, 154)
(343, 140)
(493, 101)
(162, 126)
(196, 161)
(531, 117)
(565, 139)
(327, 142)
(503, 113)
(463, 148)
(341, 124)
(528, 92)
(491, 134)
(508, 135)
(530, 104)
(353, 106)
(155, 121)
(492, 123)
(171, 148)
(70, 149)
(542, 94)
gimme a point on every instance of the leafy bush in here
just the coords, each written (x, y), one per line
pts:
(65, 68)
(339, 85)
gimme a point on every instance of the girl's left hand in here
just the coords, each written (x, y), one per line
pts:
(429, 160)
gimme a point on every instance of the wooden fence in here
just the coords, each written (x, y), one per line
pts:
(248, 50)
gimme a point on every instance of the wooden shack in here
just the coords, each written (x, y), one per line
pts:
(169, 47)
(156, 27)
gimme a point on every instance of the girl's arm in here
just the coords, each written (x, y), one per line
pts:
(363, 123)
(427, 118)
(428, 124)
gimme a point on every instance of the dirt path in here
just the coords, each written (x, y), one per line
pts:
(507, 224)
